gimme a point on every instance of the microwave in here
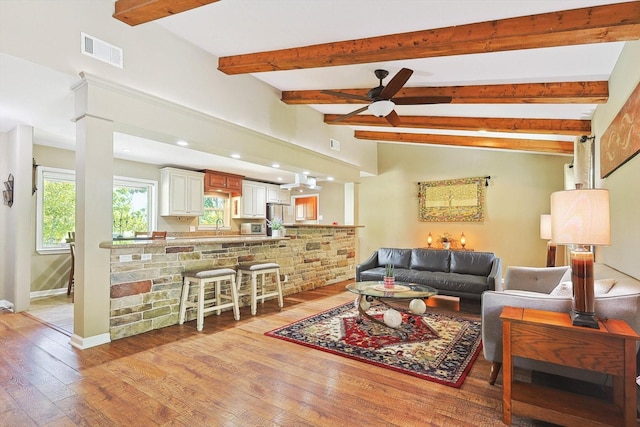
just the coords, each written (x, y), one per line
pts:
(253, 228)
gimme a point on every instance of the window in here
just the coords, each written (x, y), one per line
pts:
(216, 211)
(56, 208)
(134, 202)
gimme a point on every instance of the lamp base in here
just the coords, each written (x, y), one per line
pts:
(588, 320)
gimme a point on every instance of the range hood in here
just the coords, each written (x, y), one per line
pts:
(303, 184)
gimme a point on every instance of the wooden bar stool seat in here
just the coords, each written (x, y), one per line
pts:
(261, 269)
(219, 301)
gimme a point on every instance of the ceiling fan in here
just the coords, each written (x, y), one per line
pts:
(382, 97)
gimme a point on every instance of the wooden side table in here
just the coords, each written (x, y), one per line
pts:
(549, 336)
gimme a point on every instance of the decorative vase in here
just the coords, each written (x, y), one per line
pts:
(389, 282)
(275, 233)
(446, 245)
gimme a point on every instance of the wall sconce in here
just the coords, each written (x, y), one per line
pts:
(463, 240)
(7, 194)
(429, 240)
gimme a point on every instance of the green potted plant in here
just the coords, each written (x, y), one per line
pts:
(446, 240)
(276, 226)
(389, 278)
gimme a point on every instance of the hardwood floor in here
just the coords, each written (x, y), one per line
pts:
(228, 375)
(55, 310)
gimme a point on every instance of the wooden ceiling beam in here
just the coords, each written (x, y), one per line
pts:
(135, 12)
(538, 146)
(600, 24)
(522, 93)
(490, 124)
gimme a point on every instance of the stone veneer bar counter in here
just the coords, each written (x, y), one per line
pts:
(145, 293)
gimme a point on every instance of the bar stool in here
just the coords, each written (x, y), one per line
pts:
(217, 303)
(260, 268)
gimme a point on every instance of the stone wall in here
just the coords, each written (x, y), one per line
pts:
(145, 295)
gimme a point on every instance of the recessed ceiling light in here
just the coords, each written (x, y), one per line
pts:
(182, 143)
(126, 150)
(306, 172)
(235, 156)
(279, 178)
(275, 165)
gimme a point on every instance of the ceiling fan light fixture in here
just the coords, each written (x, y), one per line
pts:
(381, 108)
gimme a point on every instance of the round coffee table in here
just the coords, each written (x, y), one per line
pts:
(376, 291)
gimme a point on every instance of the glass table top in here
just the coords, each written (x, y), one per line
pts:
(401, 290)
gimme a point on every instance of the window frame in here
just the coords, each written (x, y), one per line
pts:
(47, 172)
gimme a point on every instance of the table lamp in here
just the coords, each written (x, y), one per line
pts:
(545, 233)
(581, 218)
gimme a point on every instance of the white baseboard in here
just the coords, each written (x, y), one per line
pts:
(6, 305)
(84, 343)
(48, 293)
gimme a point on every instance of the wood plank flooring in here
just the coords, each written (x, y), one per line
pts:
(228, 375)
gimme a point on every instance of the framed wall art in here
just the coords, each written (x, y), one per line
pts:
(621, 141)
(452, 200)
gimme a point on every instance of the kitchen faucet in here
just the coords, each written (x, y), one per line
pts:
(218, 222)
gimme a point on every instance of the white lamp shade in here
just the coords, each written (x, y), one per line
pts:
(381, 108)
(580, 217)
(545, 227)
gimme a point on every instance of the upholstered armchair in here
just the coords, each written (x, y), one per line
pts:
(532, 287)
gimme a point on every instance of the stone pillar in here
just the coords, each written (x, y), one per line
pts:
(94, 207)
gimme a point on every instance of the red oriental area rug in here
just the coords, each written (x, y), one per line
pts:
(439, 347)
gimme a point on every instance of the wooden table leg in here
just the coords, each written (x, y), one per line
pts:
(507, 371)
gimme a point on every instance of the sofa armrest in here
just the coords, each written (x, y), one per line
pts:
(370, 263)
(495, 276)
(535, 279)
(492, 304)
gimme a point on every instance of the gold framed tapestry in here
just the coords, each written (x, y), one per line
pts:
(621, 141)
(452, 200)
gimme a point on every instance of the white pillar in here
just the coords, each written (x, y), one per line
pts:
(19, 234)
(94, 206)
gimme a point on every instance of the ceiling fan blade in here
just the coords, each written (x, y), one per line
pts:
(396, 83)
(419, 100)
(346, 95)
(353, 113)
(393, 118)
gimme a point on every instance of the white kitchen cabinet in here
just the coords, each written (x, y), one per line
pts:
(277, 195)
(252, 203)
(181, 192)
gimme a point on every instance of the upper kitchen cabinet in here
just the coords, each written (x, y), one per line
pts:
(224, 182)
(277, 195)
(181, 192)
(253, 203)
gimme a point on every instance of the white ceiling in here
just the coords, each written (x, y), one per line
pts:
(231, 27)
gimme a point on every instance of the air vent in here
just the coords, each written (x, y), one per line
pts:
(101, 50)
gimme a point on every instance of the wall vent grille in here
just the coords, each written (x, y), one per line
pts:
(101, 50)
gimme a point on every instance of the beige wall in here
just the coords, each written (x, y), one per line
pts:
(624, 183)
(518, 193)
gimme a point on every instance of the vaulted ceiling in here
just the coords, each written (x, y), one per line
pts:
(523, 75)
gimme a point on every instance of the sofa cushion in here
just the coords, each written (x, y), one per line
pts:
(474, 263)
(430, 260)
(601, 287)
(400, 258)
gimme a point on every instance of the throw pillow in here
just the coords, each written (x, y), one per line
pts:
(565, 289)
